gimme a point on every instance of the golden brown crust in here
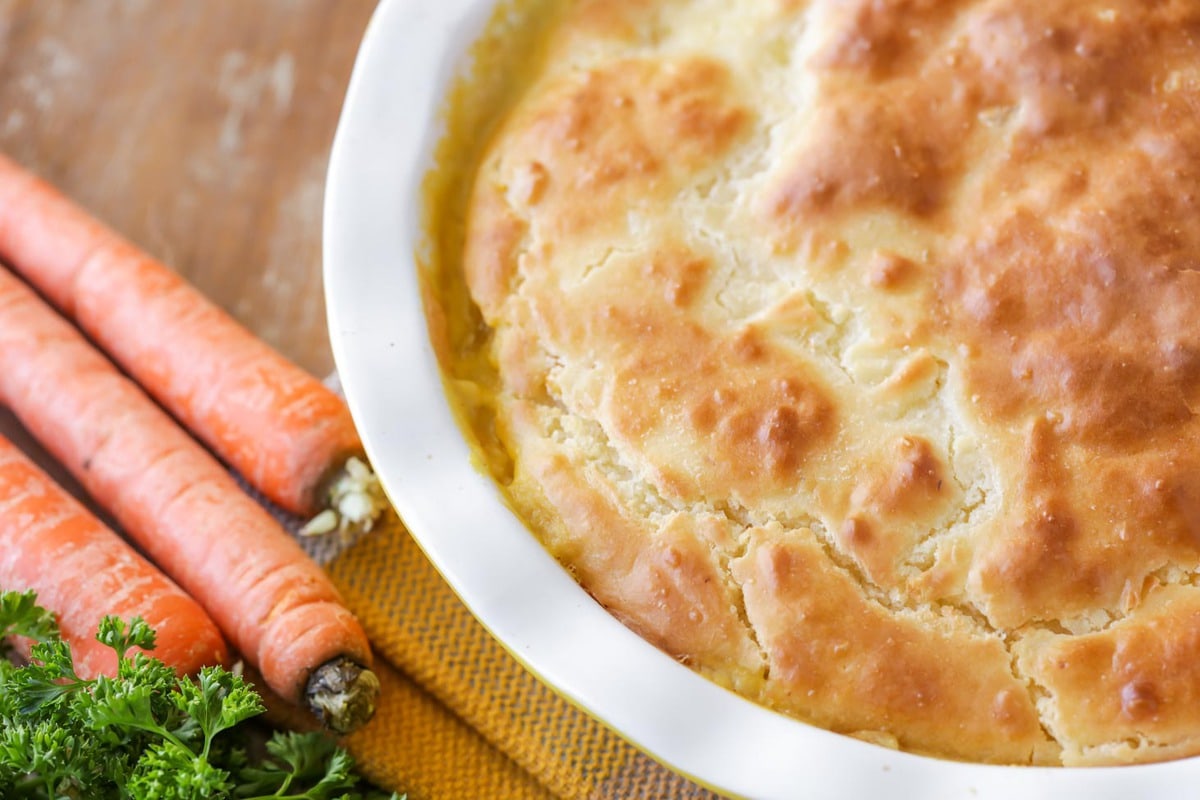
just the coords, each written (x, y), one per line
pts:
(1128, 693)
(934, 683)
(847, 350)
(660, 571)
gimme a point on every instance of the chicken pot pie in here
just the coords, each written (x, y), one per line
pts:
(847, 350)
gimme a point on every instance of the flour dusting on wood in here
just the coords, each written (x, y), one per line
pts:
(54, 66)
(247, 89)
(293, 253)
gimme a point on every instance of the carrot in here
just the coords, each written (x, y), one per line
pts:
(286, 433)
(82, 571)
(276, 606)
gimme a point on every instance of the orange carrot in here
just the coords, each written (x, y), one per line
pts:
(285, 432)
(182, 507)
(83, 571)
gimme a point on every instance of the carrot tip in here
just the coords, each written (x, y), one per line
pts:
(355, 502)
(342, 694)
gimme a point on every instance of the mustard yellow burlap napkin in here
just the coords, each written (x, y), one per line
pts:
(460, 718)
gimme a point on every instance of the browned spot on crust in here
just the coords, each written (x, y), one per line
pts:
(1139, 700)
(881, 36)
(679, 280)
(752, 429)
(861, 156)
(911, 483)
(899, 497)
(889, 271)
(617, 136)
(855, 533)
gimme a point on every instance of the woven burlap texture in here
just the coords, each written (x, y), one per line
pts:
(460, 717)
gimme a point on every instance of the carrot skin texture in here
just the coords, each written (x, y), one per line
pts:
(83, 571)
(280, 428)
(173, 497)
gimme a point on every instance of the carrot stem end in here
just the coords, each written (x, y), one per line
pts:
(355, 502)
(342, 695)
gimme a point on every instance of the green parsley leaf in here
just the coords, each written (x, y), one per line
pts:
(122, 704)
(295, 760)
(123, 637)
(20, 615)
(145, 734)
(165, 772)
(217, 701)
(49, 677)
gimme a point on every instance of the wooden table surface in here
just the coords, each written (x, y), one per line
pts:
(200, 130)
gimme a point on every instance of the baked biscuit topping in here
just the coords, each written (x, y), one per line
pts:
(848, 350)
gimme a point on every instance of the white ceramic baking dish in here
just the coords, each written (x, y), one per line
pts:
(389, 127)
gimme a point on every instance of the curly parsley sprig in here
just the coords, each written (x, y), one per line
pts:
(145, 734)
